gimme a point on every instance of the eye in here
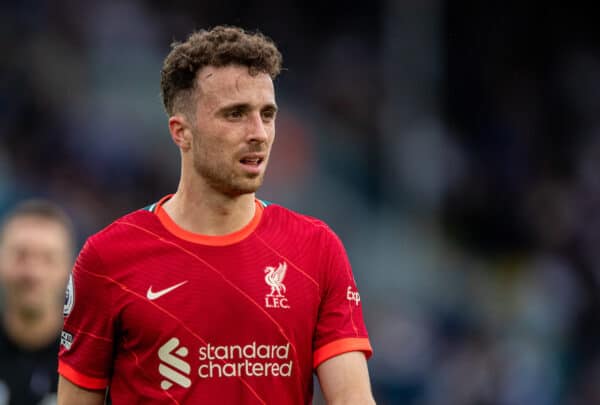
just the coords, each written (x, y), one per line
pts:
(269, 115)
(236, 113)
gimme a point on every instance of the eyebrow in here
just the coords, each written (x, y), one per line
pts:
(247, 107)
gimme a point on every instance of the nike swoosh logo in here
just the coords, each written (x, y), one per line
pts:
(152, 295)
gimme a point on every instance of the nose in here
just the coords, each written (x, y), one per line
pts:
(33, 266)
(257, 129)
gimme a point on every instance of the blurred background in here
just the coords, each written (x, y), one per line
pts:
(454, 147)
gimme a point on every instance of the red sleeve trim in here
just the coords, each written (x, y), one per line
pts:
(342, 346)
(82, 380)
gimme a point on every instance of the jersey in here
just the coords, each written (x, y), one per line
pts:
(27, 377)
(163, 315)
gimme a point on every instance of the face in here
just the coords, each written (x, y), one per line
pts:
(234, 129)
(35, 261)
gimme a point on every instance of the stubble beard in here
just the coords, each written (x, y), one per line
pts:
(222, 176)
(224, 179)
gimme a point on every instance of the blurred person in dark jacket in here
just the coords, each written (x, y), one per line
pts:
(36, 254)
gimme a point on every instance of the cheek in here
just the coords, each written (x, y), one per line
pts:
(205, 151)
(209, 139)
(271, 132)
(9, 269)
(271, 140)
(59, 278)
(214, 149)
(6, 277)
(53, 280)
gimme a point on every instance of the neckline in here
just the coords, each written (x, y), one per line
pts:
(209, 240)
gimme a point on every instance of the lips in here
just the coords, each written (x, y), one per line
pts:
(252, 163)
(253, 160)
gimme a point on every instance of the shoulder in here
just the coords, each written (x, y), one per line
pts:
(280, 213)
(117, 240)
(123, 227)
(290, 221)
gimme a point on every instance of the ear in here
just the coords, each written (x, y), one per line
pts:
(181, 133)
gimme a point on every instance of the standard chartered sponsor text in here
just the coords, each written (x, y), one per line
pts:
(250, 360)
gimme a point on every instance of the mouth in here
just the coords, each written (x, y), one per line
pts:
(252, 164)
(252, 161)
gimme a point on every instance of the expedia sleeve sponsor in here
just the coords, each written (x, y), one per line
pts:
(352, 296)
(340, 326)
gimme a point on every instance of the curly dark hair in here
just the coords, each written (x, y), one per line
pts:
(220, 46)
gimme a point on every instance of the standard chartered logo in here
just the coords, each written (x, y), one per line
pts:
(214, 361)
(251, 360)
(172, 367)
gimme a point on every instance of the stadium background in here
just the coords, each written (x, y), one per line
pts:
(454, 146)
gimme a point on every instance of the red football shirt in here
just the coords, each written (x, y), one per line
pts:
(162, 315)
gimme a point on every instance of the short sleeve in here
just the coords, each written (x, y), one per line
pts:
(340, 324)
(86, 350)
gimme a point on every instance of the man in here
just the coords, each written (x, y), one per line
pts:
(36, 254)
(210, 295)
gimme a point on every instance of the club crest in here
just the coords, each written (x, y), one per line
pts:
(274, 278)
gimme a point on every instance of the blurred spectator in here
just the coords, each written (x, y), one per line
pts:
(36, 253)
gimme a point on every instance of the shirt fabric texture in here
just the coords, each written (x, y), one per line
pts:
(165, 316)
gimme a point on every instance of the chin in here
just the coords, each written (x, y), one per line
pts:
(236, 190)
(242, 191)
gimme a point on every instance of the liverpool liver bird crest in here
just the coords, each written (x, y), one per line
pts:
(274, 278)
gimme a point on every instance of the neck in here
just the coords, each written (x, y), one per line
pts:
(210, 213)
(33, 331)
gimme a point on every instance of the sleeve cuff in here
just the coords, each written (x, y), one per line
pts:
(341, 346)
(81, 380)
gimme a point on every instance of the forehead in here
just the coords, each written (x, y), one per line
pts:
(35, 232)
(219, 86)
